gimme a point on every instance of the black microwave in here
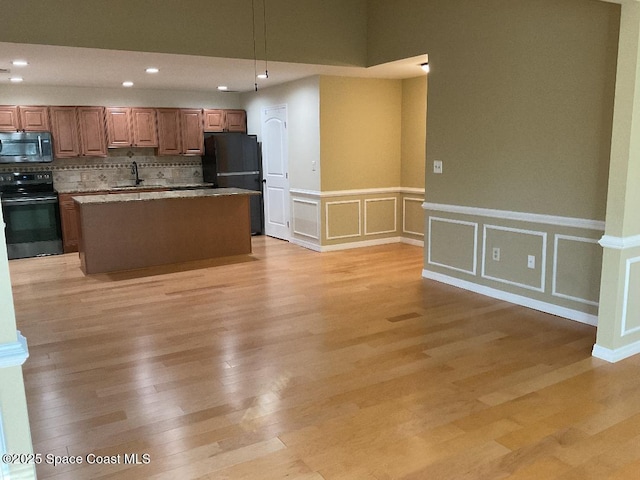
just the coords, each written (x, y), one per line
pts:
(20, 147)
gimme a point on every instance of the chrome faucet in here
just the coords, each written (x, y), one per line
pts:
(134, 171)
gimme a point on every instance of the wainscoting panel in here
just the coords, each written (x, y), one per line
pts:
(576, 261)
(563, 278)
(412, 216)
(343, 219)
(380, 215)
(631, 312)
(306, 218)
(515, 245)
(453, 244)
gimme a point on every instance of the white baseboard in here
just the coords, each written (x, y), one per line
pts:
(513, 298)
(412, 241)
(15, 353)
(308, 245)
(364, 243)
(616, 355)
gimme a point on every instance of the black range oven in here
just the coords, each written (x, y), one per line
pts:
(31, 214)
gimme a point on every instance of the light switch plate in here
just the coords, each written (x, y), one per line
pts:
(437, 166)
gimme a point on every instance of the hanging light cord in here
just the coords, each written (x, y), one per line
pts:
(255, 58)
(264, 20)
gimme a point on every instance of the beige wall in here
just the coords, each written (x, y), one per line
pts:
(331, 31)
(520, 98)
(360, 124)
(414, 131)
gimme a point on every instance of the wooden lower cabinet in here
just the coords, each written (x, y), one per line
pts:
(68, 221)
(69, 216)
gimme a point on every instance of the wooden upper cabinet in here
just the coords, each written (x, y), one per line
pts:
(9, 119)
(213, 120)
(118, 127)
(169, 131)
(236, 121)
(29, 119)
(145, 131)
(192, 133)
(64, 128)
(131, 127)
(225, 120)
(93, 139)
(34, 119)
(180, 131)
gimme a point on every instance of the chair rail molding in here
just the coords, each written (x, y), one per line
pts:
(521, 216)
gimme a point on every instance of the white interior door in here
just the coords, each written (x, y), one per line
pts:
(275, 170)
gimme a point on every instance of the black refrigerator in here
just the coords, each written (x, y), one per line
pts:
(234, 160)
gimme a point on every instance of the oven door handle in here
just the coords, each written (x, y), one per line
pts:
(29, 200)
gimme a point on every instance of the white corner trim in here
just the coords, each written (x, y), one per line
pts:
(619, 243)
(512, 298)
(520, 216)
(15, 353)
(616, 355)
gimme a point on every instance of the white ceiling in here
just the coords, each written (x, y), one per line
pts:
(87, 67)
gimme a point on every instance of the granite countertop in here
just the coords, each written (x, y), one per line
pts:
(142, 186)
(146, 196)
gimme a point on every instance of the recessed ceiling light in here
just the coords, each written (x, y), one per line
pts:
(20, 63)
(223, 87)
(127, 84)
(152, 70)
(15, 79)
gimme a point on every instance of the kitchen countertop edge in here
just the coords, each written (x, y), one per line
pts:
(161, 195)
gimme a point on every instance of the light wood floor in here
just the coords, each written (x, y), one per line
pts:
(299, 365)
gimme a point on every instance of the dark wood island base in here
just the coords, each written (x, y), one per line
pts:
(137, 230)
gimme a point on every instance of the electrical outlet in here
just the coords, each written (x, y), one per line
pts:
(531, 261)
(496, 254)
(437, 166)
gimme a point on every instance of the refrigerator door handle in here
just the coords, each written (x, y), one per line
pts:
(233, 174)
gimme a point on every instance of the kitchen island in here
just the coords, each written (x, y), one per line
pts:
(137, 230)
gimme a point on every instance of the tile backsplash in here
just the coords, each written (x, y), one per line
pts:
(102, 173)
